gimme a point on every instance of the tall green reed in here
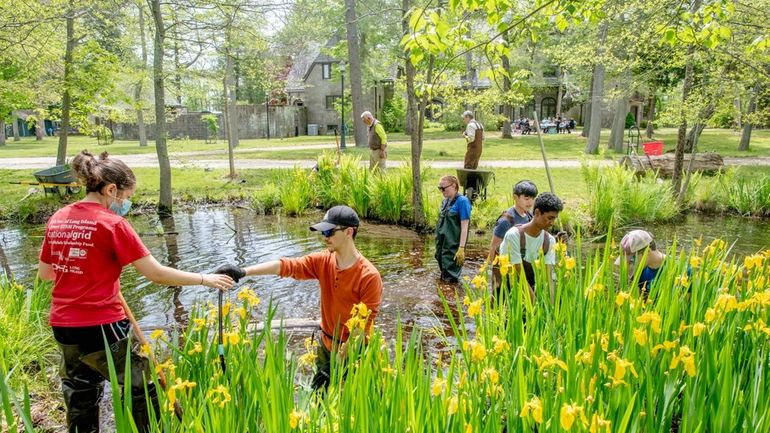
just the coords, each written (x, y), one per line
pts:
(617, 197)
(296, 192)
(26, 350)
(392, 194)
(691, 355)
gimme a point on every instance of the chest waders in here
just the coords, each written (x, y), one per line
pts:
(473, 151)
(448, 241)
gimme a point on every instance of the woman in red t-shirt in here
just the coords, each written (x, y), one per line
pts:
(85, 248)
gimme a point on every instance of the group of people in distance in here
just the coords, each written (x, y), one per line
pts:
(525, 126)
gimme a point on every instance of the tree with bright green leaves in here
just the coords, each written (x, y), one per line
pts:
(90, 65)
(14, 93)
(698, 27)
(31, 65)
(437, 38)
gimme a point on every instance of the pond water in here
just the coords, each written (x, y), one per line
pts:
(207, 237)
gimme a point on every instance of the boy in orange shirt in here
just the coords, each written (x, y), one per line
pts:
(346, 278)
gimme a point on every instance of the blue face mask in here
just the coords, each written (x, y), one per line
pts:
(121, 209)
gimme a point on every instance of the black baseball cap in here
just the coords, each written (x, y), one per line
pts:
(337, 216)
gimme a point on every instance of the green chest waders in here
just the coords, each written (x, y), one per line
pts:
(448, 241)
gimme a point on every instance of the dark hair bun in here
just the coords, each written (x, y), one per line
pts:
(96, 173)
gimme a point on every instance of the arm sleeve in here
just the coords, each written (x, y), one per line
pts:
(510, 246)
(371, 295)
(470, 132)
(45, 250)
(128, 246)
(302, 268)
(464, 208)
(380, 131)
(501, 228)
(550, 256)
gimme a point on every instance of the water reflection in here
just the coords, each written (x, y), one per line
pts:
(201, 240)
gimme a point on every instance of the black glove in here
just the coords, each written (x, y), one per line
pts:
(232, 271)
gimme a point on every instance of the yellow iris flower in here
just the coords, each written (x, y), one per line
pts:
(569, 414)
(535, 408)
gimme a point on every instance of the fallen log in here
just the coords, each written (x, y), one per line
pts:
(286, 324)
(707, 163)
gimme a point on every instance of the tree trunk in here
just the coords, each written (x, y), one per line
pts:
(748, 125)
(39, 127)
(138, 90)
(559, 93)
(507, 108)
(2, 131)
(15, 127)
(177, 63)
(5, 265)
(738, 113)
(165, 204)
(619, 124)
(418, 213)
(681, 139)
(595, 129)
(695, 131)
(650, 113)
(232, 124)
(354, 61)
(663, 165)
(586, 119)
(66, 101)
(698, 127)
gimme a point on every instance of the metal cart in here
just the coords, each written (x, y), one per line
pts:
(474, 182)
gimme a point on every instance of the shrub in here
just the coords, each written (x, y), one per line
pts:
(630, 120)
(394, 114)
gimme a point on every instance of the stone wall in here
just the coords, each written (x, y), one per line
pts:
(285, 121)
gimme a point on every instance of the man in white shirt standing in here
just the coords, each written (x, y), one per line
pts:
(474, 136)
(378, 142)
(523, 243)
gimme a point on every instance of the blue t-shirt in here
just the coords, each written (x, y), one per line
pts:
(647, 277)
(462, 206)
(503, 224)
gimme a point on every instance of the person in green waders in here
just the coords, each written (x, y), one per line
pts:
(452, 229)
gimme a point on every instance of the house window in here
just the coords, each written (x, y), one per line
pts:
(326, 71)
(331, 128)
(331, 100)
(547, 108)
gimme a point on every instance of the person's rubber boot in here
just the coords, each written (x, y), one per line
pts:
(139, 376)
(81, 389)
(140, 410)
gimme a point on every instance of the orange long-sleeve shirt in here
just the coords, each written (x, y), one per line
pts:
(340, 289)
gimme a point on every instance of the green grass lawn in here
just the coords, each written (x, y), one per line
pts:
(439, 145)
(28, 146)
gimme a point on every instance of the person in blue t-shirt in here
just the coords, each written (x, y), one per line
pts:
(524, 193)
(452, 229)
(633, 246)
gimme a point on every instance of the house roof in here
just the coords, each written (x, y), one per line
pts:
(302, 63)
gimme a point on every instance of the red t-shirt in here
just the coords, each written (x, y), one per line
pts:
(88, 246)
